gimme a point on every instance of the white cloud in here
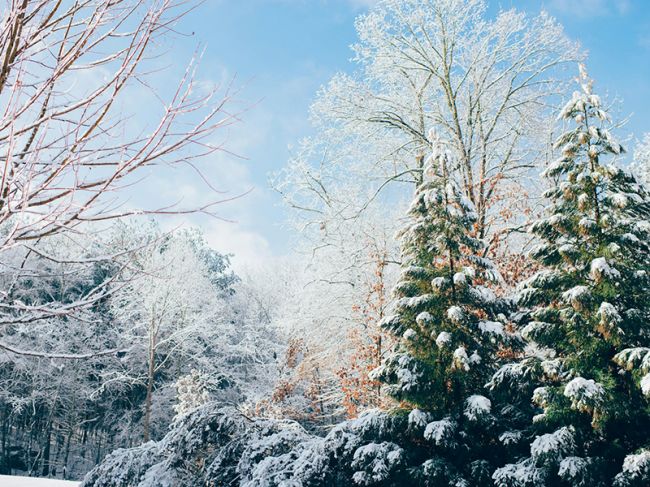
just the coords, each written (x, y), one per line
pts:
(249, 248)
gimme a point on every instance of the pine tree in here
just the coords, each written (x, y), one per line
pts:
(591, 315)
(448, 341)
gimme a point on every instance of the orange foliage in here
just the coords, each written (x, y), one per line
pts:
(369, 342)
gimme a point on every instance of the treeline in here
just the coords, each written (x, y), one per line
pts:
(103, 375)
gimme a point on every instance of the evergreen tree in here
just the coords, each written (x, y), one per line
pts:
(591, 316)
(448, 339)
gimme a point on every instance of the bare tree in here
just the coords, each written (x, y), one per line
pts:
(67, 145)
(485, 84)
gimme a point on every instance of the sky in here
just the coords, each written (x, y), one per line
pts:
(278, 53)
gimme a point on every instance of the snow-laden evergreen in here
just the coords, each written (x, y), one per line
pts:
(449, 333)
(591, 317)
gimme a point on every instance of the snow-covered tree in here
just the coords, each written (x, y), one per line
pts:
(641, 163)
(64, 401)
(191, 392)
(179, 310)
(444, 317)
(483, 82)
(591, 314)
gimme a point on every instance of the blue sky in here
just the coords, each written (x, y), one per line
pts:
(282, 51)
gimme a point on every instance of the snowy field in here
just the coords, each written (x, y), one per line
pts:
(10, 481)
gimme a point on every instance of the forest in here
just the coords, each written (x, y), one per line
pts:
(466, 300)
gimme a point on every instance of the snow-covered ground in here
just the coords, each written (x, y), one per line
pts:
(10, 481)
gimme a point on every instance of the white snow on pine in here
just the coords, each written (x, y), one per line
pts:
(493, 327)
(439, 431)
(645, 384)
(600, 268)
(584, 393)
(636, 464)
(455, 314)
(443, 339)
(557, 445)
(418, 418)
(477, 406)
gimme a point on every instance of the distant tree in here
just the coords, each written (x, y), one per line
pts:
(370, 343)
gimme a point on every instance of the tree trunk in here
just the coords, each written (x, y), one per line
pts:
(150, 376)
(46, 453)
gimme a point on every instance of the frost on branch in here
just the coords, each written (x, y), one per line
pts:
(440, 432)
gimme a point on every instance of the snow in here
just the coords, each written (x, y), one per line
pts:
(409, 334)
(455, 314)
(585, 394)
(418, 418)
(379, 458)
(510, 437)
(484, 294)
(533, 328)
(619, 200)
(608, 314)
(569, 249)
(424, 318)
(492, 327)
(572, 467)
(477, 406)
(390, 321)
(586, 224)
(645, 385)
(551, 368)
(439, 283)
(556, 445)
(11, 481)
(636, 464)
(522, 473)
(576, 295)
(443, 338)
(540, 396)
(439, 431)
(510, 373)
(461, 360)
(460, 279)
(634, 357)
(407, 373)
(600, 268)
